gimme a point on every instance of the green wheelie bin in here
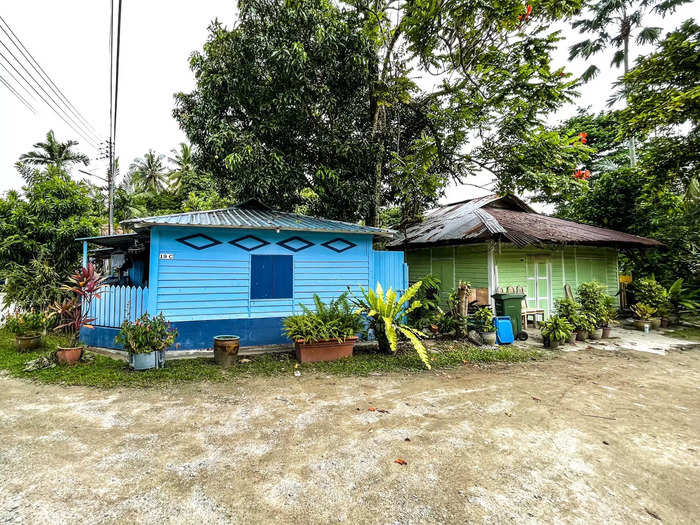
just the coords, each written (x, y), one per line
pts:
(510, 304)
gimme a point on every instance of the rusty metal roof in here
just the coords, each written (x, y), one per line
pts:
(254, 215)
(510, 219)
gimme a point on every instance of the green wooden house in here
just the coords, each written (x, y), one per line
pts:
(497, 242)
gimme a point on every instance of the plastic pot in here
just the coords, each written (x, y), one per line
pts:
(489, 338)
(581, 335)
(596, 334)
(147, 361)
(572, 338)
(226, 350)
(327, 350)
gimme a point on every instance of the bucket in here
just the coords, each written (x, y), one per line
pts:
(226, 349)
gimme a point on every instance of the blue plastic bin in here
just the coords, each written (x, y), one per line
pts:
(504, 329)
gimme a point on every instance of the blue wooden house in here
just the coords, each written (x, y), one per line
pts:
(239, 270)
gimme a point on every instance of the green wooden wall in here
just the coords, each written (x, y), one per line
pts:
(571, 265)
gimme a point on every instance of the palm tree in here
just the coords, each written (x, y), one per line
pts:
(614, 22)
(53, 152)
(183, 165)
(148, 173)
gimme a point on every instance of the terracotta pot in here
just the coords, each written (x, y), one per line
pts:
(581, 335)
(655, 323)
(434, 328)
(226, 350)
(28, 342)
(664, 322)
(596, 334)
(572, 338)
(328, 350)
(606, 332)
(489, 338)
(69, 356)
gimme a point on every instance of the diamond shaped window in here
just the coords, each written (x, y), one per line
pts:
(295, 244)
(198, 241)
(249, 243)
(339, 245)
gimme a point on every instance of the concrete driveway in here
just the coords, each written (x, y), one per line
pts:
(591, 436)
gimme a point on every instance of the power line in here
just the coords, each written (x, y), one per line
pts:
(82, 133)
(17, 81)
(42, 73)
(17, 95)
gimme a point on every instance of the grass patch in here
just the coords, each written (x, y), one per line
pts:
(106, 372)
(688, 333)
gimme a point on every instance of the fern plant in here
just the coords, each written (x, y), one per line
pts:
(386, 312)
(333, 320)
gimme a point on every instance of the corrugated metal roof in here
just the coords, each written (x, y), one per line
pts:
(254, 215)
(493, 217)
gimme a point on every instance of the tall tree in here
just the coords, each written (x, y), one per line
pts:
(183, 165)
(308, 96)
(148, 173)
(616, 23)
(54, 152)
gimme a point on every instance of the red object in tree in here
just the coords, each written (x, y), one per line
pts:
(582, 175)
(583, 137)
(526, 15)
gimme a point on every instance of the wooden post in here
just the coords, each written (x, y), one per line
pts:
(463, 292)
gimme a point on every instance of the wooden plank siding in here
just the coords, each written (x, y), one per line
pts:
(571, 265)
(214, 282)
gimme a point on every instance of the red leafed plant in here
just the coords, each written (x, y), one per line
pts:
(73, 312)
(582, 175)
(584, 137)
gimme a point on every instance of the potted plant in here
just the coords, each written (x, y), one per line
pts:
(569, 310)
(583, 325)
(664, 313)
(73, 313)
(226, 350)
(592, 296)
(609, 314)
(555, 331)
(146, 340)
(386, 312)
(643, 313)
(325, 334)
(483, 321)
(27, 328)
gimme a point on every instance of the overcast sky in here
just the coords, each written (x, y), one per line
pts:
(70, 40)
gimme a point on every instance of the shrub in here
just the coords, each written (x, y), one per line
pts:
(25, 323)
(483, 319)
(335, 320)
(429, 297)
(556, 328)
(567, 308)
(649, 292)
(643, 311)
(146, 334)
(681, 298)
(582, 322)
(592, 295)
(385, 312)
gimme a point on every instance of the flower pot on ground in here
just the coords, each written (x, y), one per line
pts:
(581, 335)
(556, 330)
(572, 338)
(583, 325)
(146, 340)
(73, 313)
(655, 323)
(226, 350)
(664, 322)
(27, 328)
(483, 322)
(326, 333)
(606, 332)
(489, 338)
(596, 334)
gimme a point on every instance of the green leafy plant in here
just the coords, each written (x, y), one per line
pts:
(146, 334)
(611, 311)
(649, 292)
(680, 298)
(567, 308)
(643, 311)
(483, 319)
(429, 297)
(73, 313)
(556, 328)
(25, 323)
(582, 322)
(386, 313)
(334, 320)
(592, 295)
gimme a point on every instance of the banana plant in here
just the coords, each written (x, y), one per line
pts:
(386, 312)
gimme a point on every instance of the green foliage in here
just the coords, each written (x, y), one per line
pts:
(591, 296)
(648, 291)
(556, 328)
(146, 334)
(583, 322)
(37, 236)
(681, 298)
(52, 153)
(25, 323)
(386, 311)
(643, 311)
(567, 308)
(334, 320)
(429, 297)
(483, 319)
(312, 95)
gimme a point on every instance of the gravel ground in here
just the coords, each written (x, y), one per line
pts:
(591, 436)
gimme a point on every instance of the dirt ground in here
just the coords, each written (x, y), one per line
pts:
(591, 436)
